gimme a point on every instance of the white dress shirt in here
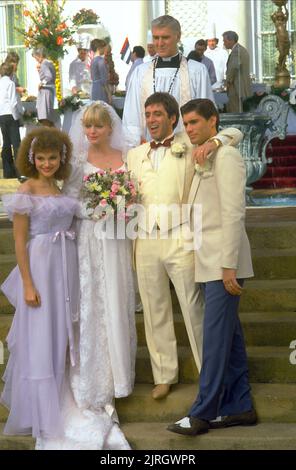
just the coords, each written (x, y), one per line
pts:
(157, 155)
(9, 100)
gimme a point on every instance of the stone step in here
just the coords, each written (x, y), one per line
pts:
(154, 436)
(273, 403)
(278, 295)
(269, 296)
(268, 264)
(4, 222)
(7, 263)
(274, 264)
(279, 235)
(260, 328)
(266, 364)
(15, 442)
(6, 241)
(264, 436)
(5, 307)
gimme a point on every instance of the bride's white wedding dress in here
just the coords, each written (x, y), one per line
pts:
(105, 340)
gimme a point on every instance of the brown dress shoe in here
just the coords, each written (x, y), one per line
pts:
(160, 391)
(196, 426)
(248, 418)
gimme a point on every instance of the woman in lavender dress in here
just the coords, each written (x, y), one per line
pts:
(46, 95)
(99, 72)
(44, 287)
(106, 334)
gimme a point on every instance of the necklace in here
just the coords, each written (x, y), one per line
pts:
(173, 78)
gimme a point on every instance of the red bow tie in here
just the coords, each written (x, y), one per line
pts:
(166, 143)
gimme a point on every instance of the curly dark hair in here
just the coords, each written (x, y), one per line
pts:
(47, 138)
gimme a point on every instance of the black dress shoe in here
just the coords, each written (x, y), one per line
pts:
(248, 418)
(197, 426)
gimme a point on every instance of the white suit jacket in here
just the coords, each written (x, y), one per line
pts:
(222, 236)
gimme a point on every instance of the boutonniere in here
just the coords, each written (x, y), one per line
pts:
(178, 149)
(205, 170)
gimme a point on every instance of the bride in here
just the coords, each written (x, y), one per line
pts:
(106, 336)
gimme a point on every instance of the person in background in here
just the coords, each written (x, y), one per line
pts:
(137, 59)
(10, 113)
(170, 72)
(46, 94)
(238, 80)
(98, 71)
(219, 57)
(13, 58)
(78, 69)
(198, 55)
(150, 48)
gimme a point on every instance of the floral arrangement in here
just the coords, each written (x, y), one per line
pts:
(109, 193)
(120, 93)
(252, 102)
(30, 117)
(47, 28)
(71, 102)
(178, 149)
(205, 170)
(85, 16)
(284, 93)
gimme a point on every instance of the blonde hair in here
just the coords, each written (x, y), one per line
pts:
(96, 115)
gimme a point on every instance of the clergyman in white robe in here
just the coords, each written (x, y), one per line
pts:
(191, 81)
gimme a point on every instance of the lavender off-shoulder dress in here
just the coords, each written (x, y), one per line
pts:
(39, 337)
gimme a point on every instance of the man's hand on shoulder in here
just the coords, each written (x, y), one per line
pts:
(201, 153)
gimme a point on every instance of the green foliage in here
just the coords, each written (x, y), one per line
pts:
(85, 16)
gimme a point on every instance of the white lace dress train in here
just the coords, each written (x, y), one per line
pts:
(106, 340)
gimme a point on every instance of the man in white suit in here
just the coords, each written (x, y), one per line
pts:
(164, 169)
(222, 262)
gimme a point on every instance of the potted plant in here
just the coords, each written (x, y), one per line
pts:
(87, 21)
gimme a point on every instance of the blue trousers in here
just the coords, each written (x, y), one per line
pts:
(224, 385)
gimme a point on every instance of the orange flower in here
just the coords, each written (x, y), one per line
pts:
(45, 32)
(30, 33)
(61, 27)
(27, 13)
(60, 41)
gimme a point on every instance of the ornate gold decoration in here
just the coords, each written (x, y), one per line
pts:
(280, 19)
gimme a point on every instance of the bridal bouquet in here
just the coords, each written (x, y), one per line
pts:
(109, 192)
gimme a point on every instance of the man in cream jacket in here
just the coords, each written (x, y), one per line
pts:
(164, 170)
(222, 262)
